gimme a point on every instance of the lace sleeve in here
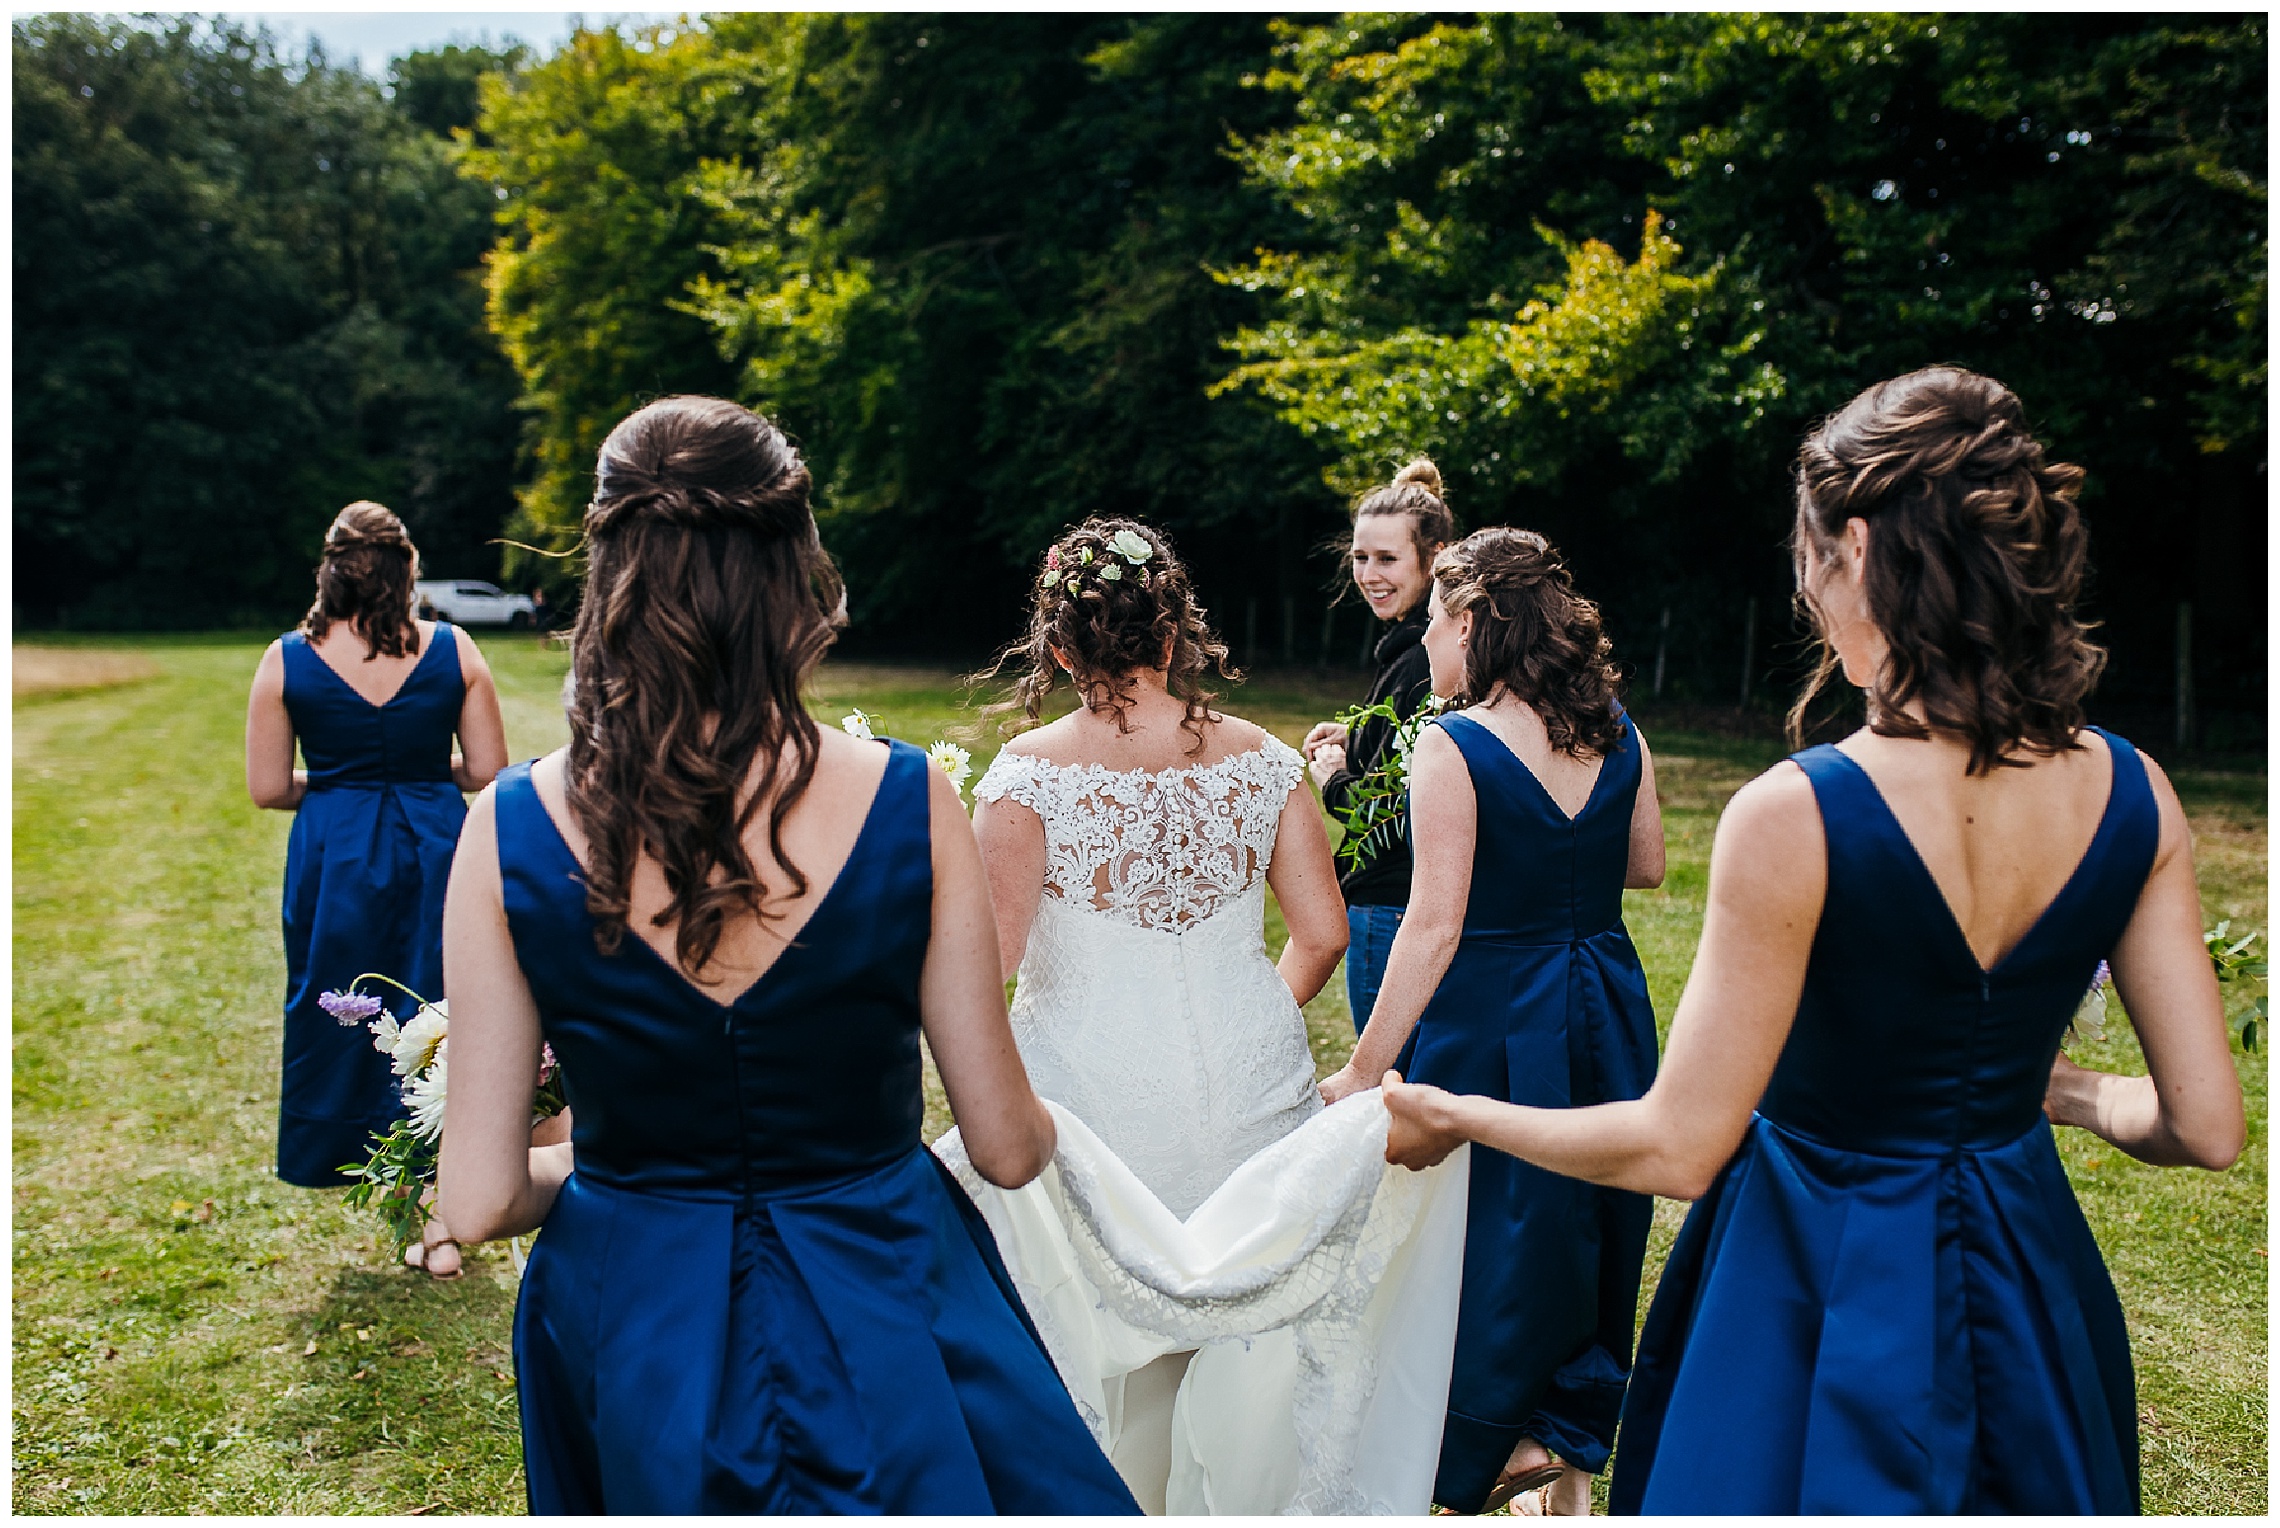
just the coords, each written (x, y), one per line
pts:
(1015, 777)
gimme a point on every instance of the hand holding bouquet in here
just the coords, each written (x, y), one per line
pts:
(399, 1175)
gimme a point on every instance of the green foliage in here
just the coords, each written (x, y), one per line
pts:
(241, 302)
(1609, 267)
(1376, 814)
(963, 258)
(2239, 966)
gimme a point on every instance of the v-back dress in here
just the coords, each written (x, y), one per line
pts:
(1544, 1004)
(365, 869)
(758, 1292)
(1889, 1301)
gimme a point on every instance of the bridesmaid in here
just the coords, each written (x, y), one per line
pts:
(758, 1292)
(1532, 809)
(1886, 1298)
(1398, 531)
(373, 697)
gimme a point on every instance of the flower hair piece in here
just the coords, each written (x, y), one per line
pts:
(1134, 549)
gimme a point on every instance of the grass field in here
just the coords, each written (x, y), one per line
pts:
(193, 1336)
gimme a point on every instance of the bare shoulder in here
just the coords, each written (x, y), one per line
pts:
(1774, 815)
(1037, 742)
(1234, 734)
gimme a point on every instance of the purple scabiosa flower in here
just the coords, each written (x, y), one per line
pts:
(349, 1008)
(546, 1065)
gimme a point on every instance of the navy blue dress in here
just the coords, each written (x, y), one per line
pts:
(1889, 1302)
(1544, 1003)
(364, 875)
(759, 1292)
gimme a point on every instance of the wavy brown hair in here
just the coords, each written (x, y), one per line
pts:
(709, 599)
(1976, 558)
(365, 577)
(1108, 616)
(1533, 635)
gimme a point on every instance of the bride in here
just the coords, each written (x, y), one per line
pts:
(1253, 1312)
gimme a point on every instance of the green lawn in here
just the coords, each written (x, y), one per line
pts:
(193, 1336)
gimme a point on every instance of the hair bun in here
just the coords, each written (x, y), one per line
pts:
(1422, 473)
(366, 523)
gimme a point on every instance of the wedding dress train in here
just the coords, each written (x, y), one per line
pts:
(1201, 1199)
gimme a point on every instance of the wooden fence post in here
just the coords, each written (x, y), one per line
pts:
(1662, 650)
(1749, 645)
(2184, 674)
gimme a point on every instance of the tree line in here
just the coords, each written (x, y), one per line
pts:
(999, 272)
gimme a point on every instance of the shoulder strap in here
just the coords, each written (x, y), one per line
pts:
(2134, 816)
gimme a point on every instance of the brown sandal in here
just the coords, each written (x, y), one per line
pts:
(1524, 1477)
(416, 1255)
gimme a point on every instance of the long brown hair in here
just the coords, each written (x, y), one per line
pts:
(1532, 634)
(365, 577)
(1976, 559)
(709, 599)
(1109, 613)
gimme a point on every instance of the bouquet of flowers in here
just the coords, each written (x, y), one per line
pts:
(1376, 815)
(2237, 965)
(946, 756)
(398, 1178)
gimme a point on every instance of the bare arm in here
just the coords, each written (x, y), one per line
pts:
(482, 732)
(1768, 876)
(270, 778)
(961, 996)
(1648, 860)
(1305, 882)
(1443, 824)
(2187, 1111)
(491, 1182)
(1012, 839)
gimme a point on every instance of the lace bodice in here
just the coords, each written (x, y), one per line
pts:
(1158, 849)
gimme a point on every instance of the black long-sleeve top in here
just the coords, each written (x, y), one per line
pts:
(1405, 677)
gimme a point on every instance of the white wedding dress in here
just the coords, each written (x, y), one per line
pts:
(1201, 1199)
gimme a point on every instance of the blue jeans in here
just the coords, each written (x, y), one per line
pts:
(1369, 939)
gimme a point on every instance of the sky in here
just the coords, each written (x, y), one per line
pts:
(371, 38)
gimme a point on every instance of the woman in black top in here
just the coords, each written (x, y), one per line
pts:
(1397, 531)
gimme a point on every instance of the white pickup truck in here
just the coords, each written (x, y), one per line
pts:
(471, 602)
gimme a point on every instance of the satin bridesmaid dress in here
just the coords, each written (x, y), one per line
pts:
(365, 869)
(1544, 1003)
(1889, 1302)
(759, 1292)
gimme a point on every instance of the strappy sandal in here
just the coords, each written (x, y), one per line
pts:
(1527, 1477)
(418, 1253)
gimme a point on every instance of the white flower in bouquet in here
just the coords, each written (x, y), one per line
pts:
(856, 725)
(424, 1094)
(1131, 547)
(953, 761)
(418, 1041)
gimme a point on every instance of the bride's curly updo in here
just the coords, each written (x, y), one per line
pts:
(1113, 597)
(1976, 559)
(1533, 635)
(709, 599)
(365, 577)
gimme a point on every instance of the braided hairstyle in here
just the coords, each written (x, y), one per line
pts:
(364, 577)
(1976, 558)
(1113, 597)
(709, 600)
(1533, 635)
